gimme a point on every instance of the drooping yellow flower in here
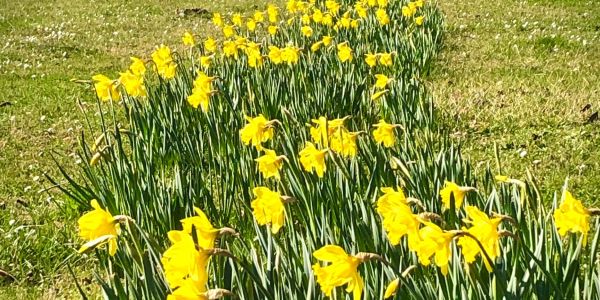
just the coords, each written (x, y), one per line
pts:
(206, 234)
(269, 164)
(317, 15)
(272, 29)
(306, 31)
(361, 9)
(326, 39)
(485, 229)
(506, 179)
(259, 16)
(137, 67)
(371, 59)
(217, 19)
(206, 61)
(435, 241)
(272, 13)
(182, 260)
(333, 7)
(324, 129)
(228, 31)
(344, 52)
(313, 159)
(199, 99)
(381, 81)
(189, 289)
(398, 219)
(382, 3)
(385, 59)
(572, 216)
(384, 133)
(409, 10)
(257, 131)
(305, 19)
(342, 270)
(316, 46)
(236, 19)
(458, 192)
(210, 45)
(164, 62)
(391, 289)
(98, 227)
(106, 89)
(327, 20)
(201, 92)
(255, 58)
(344, 142)
(230, 49)
(419, 20)
(419, 3)
(268, 208)
(275, 55)
(382, 17)
(290, 55)
(188, 39)
(134, 84)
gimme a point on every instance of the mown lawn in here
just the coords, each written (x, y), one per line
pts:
(514, 73)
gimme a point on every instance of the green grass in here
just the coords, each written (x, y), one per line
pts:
(514, 73)
(517, 74)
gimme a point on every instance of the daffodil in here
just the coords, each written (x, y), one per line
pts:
(344, 52)
(134, 84)
(106, 89)
(230, 49)
(217, 19)
(201, 92)
(313, 159)
(182, 260)
(391, 289)
(98, 227)
(228, 31)
(384, 133)
(317, 15)
(327, 20)
(398, 219)
(385, 59)
(341, 270)
(485, 230)
(272, 29)
(371, 59)
(272, 13)
(137, 67)
(275, 55)
(188, 39)
(290, 55)
(382, 17)
(419, 20)
(435, 242)
(268, 208)
(326, 39)
(259, 16)
(344, 142)
(305, 19)
(506, 179)
(164, 62)
(206, 234)
(306, 31)
(332, 6)
(236, 19)
(324, 129)
(451, 189)
(572, 216)
(381, 81)
(257, 131)
(206, 61)
(269, 164)
(382, 3)
(210, 45)
(378, 95)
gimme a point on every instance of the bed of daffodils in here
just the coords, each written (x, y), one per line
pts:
(296, 155)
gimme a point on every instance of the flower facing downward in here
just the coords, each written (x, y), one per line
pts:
(451, 189)
(183, 260)
(268, 208)
(485, 229)
(435, 242)
(188, 39)
(385, 59)
(206, 234)
(384, 133)
(98, 227)
(381, 81)
(344, 52)
(398, 219)
(342, 270)
(106, 89)
(269, 164)
(137, 67)
(134, 84)
(391, 289)
(313, 159)
(324, 129)
(572, 216)
(164, 62)
(257, 131)
(344, 142)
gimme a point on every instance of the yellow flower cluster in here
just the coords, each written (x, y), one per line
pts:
(410, 10)
(201, 92)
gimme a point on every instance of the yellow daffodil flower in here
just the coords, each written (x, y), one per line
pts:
(385, 59)
(206, 61)
(106, 89)
(268, 208)
(344, 143)
(236, 19)
(98, 227)
(435, 241)
(378, 95)
(316, 46)
(164, 62)
(572, 216)
(313, 159)
(257, 131)
(290, 55)
(317, 15)
(230, 49)
(217, 19)
(183, 260)
(134, 84)
(398, 219)
(305, 19)
(275, 55)
(485, 229)
(206, 234)
(382, 17)
(188, 39)
(306, 31)
(382, 3)
(273, 13)
(371, 59)
(341, 270)
(324, 129)
(269, 164)
(459, 193)
(333, 7)
(344, 52)
(381, 81)
(228, 31)
(272, 29)
(251, 25)
(137, 67)
(419, 20)
(384, 133)
(210, 45)
(259, 16)
(326, 39)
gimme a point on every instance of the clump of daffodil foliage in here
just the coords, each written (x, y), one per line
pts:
(296, 155)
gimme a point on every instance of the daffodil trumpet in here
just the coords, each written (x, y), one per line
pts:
(460, 233)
